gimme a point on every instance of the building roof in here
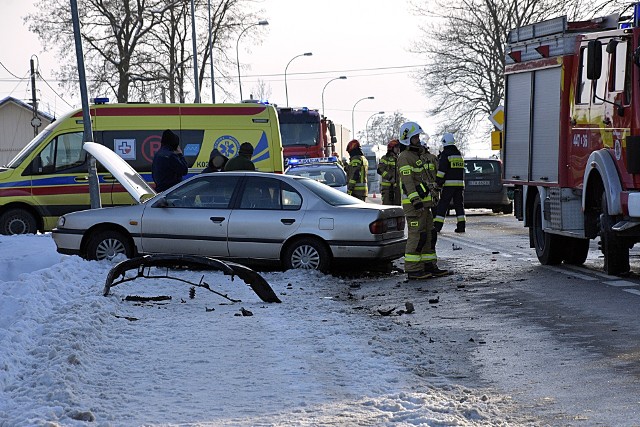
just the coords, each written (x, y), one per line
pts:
(26, 106)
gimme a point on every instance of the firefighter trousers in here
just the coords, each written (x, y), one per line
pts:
(457, 195)
(419, 252)
(390, 195)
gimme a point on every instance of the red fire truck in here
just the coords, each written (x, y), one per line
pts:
(304, 133)
(572, 136)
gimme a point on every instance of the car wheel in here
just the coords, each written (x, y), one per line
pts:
(108, 244)
(508, 209)
(496, 210)
(547, 245)
(17, 221)
(614, 248)
(308, 254)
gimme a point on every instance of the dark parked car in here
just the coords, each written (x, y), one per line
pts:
(483, 186)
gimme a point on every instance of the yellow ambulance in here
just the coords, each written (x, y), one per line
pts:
(49, 177)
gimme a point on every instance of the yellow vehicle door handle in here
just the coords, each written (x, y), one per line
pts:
(81, 179)
(108, 178)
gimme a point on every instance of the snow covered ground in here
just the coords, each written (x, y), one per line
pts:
(72, 357)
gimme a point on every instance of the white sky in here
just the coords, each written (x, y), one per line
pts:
(68, 352)
(342, 35)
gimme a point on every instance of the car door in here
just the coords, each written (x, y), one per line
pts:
(267, 213)
(194, 220)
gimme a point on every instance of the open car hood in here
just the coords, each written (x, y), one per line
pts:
(122, 171)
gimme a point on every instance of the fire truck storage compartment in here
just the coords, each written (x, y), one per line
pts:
(563, 209)
(532, 128)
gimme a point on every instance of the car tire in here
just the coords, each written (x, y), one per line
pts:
(307, 254)
(508, 209)
(547, 245)
(18, 221)
(614, 248)
(107, 245)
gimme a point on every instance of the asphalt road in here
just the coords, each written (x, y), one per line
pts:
(562, 341)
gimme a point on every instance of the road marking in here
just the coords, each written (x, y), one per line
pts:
(620, 283)
(570, 273)
(632, 291)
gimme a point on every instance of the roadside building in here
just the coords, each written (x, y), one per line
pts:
(16, 128)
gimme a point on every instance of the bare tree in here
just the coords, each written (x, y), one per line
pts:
(262, 90)
(383, 128)
(464, 47)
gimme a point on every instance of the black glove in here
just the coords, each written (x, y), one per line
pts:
(418, 204)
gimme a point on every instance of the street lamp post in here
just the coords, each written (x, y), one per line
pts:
(286, 91)
(366, 128)
(353, 126)
(325, 86)
(238, 51)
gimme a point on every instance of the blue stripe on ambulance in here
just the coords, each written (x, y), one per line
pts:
(262, 149)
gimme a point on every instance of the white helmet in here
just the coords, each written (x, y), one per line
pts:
(448, 139)
(408, 130)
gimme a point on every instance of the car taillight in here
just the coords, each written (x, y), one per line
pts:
(390, 224)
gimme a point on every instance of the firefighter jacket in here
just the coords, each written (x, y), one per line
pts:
(414, 177)
(430, 161)
(357, 176)
(387, 170)
(451, 168)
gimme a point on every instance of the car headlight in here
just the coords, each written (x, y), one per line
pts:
(61, 221)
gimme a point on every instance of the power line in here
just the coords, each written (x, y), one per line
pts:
(53, 90)
(7, 70)
(354, 70)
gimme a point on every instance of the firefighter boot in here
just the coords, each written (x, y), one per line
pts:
(434, 271)
(437, 225)
(418, 275)
(460, 227)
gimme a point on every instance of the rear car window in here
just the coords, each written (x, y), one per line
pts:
(478, 167)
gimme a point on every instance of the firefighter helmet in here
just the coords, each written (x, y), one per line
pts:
(408, 130)
(352, 145)
(392, 144)
(424, 141)
(448, 139)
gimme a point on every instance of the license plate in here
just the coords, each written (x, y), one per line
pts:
(479, 182)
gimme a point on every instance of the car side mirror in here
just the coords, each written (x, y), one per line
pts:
(161, 203)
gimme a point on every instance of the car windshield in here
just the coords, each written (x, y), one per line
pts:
(328, 194)
(332, 176)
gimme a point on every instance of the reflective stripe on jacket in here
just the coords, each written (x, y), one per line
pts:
(414, 177)
(387, 170)
(357, 175)
(451, 168)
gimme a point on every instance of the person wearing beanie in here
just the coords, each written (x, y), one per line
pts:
(450, 178)
(242, 162)
(357, 171)
(169, 164)
(217, 162)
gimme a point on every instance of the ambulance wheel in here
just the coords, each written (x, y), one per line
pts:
(18, 221)
(107, 245)
(308, 254)
(548, 246)
(613, 247)
(576, 250)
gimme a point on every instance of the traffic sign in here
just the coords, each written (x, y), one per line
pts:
(497, 117)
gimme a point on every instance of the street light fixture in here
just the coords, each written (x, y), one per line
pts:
(353, 126)
(238, 51)
(325, 86)
(366, 128)
(286, 91)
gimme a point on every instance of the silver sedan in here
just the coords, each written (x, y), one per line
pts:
(293, 221)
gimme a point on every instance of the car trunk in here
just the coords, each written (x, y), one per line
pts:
(482, 176)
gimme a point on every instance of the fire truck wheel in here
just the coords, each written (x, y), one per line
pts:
(614, 248)
(576, 250)
(108, 244)
(548, 246)
(17, 221)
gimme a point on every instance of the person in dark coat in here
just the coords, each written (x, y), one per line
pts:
(217, 162)
(242, 162)
(450, 178)
(169, 165)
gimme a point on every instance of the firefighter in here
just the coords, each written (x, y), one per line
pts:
(357, 171)
(390, 189)
(450, 178)
(420, 257)
(431, 165)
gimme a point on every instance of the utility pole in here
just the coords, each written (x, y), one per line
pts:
(35, 121)
(94, 186)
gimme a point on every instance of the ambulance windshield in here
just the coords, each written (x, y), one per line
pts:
(24, 153)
